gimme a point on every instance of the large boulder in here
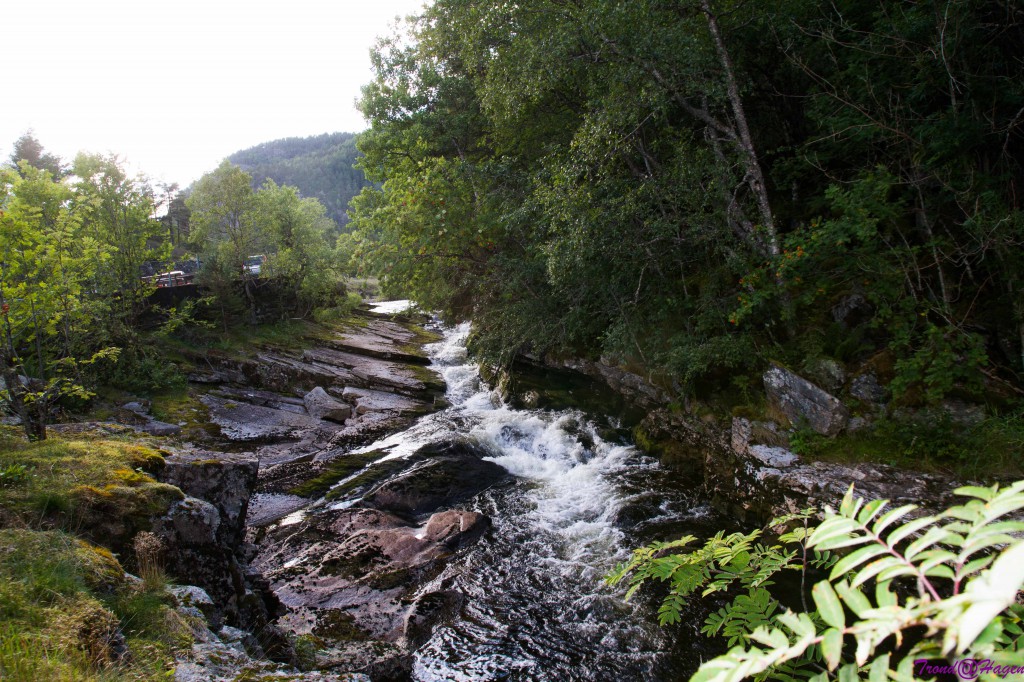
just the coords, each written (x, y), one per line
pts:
(224, 480)
(322, 406)
(802, 402)
(348, 574)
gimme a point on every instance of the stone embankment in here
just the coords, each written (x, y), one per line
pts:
(746, 466)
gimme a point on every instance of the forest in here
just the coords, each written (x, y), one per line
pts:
(322, 167)
(693, 188)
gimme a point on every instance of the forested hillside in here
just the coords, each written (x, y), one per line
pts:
(693, 188)
(321, 167)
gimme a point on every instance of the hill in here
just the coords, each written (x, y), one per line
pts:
(320, 166)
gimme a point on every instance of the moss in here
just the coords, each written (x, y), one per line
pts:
(430, 378)
(390, 579)
(334, 624)
(373, 474)
(80, 478)
(101, 571)
(336, 470)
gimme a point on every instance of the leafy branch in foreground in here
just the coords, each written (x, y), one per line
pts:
(952, 576)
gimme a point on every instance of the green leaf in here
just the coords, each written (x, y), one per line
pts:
(975, 491)
(827, 601)
(832, 647)
(854, 598)
(908, 529)
(870, 510)
(854, 559)
(879, 670)
(990, 593)
(890, 517)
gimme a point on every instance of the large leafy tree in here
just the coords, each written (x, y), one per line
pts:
(29, 149)
(299, 238)
(48, 264)
(117, 212)
(226, 227)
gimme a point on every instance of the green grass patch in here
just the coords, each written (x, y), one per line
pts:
(67, 612)
(101, 488)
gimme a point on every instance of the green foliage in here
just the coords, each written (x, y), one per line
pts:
(63, 602)
(933, 442)
(322, 167)
(583, 179)
(944, 360)
(956, 574)
(230, 222)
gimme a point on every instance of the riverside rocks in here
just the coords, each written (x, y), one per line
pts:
(351, 573)
(347, 577)
(801, 402)
(319, 405)
(438, 475)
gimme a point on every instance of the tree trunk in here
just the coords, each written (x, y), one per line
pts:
(755, 176)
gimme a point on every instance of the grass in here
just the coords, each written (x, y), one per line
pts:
(990, 450)
(99, 486)
(67, 610)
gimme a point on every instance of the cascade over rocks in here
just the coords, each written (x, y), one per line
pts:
(347, 576)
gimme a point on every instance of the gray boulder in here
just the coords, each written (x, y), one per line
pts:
(800, 401)
(322, 406)
(866, 387)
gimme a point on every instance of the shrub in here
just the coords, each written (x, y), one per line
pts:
(951, 578)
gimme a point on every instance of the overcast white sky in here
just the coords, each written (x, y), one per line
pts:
(175, 86)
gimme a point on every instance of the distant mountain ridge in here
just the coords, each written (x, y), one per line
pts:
(321, 167)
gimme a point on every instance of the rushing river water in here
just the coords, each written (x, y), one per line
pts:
(536, 606)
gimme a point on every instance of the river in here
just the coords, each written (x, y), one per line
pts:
(536, 606)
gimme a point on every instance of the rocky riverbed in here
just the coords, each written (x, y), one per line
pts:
(360, 507)
(279, 586)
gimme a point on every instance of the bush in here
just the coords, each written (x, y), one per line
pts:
(952, 579)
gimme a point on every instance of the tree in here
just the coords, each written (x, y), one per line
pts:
(47, 265)
(118, 213)
(227, 229)
(299, 235)
(29, 150)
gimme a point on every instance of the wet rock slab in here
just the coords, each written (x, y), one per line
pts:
(382, 338)
(355, 566)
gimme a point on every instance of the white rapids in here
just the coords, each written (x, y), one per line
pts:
(536, 607)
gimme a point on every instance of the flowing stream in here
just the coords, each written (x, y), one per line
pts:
(536, 606)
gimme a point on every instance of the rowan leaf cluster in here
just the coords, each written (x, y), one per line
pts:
(901, 588)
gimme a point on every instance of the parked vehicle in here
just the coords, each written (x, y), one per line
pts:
(174, 278)
(254, 264)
